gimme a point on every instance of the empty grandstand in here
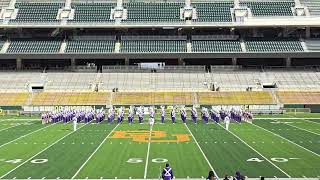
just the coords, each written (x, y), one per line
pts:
(37, 12)
(92, 12)
(149, 44)
(213, 12)
(146, 12)
(271, 8)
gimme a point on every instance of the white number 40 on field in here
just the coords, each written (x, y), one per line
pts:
(276, 159)
(16, 161)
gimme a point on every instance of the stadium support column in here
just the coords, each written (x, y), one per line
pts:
(126, 62)
(234, 61)
(19, 63)
(308, 32)
(288, 62)
(181, 62)
(73, 63)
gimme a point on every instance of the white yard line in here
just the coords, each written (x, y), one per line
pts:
(273, 178)
(205, 157)
(147, 158)
(10, 127)
(13, 119)
(310, 121)
(258, 152)
(39, 153)
(94, 152)
(287, 140)
(306, 119)
(285, 118)
(25, 135)
(303, 129)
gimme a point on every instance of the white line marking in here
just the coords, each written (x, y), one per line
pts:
(286, 118)
(257, 152)
(147, 158)
(205, 157)
(38, 153)
(9, 127)
(287, 140)
(25, 135)
(303, 129)
(310, 121)
(94, 152)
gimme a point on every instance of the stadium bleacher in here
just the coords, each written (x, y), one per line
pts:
(13, 99)
(156, 98)
(4, 3)
(213, 12)
(273, 45)
(313, 6)
(216, 46)
(146, 12)
(70, 98)
(92, 12)
(271, 8)
(34, 46)
(235, 97)
(298, 97)
(313, 44)
(149, 44)
(85, 44)
(37, 12)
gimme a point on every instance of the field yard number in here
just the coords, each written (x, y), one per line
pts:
(140, 160)
(135, 160)
(39, 161)
(14, 161)
(34, 161)
(255, 160)
(275, 159)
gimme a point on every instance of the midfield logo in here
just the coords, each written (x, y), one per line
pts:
(156, 136)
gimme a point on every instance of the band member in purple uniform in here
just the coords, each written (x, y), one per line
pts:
(151, 112)
(194, 115)
(167, 173)
(205, 115)
(183, 113)
(173, 115)
(141, 114)
(163, 114)
(131, 115)
(120, 115)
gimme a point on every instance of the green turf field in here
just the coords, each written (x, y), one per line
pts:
(286, 146)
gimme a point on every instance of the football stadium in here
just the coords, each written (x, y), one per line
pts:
(160, 89)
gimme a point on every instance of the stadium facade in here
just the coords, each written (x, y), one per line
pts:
(66, 33)
(215, 52)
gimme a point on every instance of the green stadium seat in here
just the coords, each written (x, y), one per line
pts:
(265, 45)
(146, 12)
(150, 46)
(273, 8)
(213, 12)
(34, 46)
(90, 46)
(92, 12)
(313, 6)
(37, 12)
(216, 46)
